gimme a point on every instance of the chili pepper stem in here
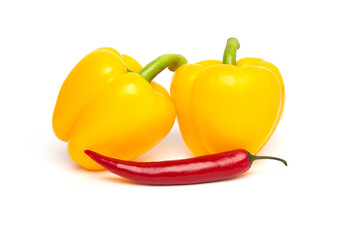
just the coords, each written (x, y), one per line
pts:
(229, 56)
(171, 61)
(253, 157)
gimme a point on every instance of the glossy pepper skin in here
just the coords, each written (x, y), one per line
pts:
(201, 169)
(103, 107)
(227, 105)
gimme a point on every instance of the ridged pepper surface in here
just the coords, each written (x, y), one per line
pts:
(222, 106)
(105, 106)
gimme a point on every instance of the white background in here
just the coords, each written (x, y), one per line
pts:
(45, 195)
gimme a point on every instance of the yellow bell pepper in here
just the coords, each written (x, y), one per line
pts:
(103, 107)
(226, 105)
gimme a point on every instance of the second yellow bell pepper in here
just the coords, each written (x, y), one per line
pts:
(226, 105)
(103, 107)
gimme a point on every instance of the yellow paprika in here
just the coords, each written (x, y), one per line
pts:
(103, 107)
(227, 105)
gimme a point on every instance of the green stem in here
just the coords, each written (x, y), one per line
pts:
(229, 56)
(171, 61)
(253, 157)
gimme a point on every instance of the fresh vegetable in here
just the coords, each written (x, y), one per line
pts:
(227, 105)
(102, 106)
(201, 169)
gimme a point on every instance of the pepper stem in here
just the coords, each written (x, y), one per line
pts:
(171, 61)
(253, 157)
(229, 56)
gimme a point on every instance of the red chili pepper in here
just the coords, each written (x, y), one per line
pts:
(201, 169)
